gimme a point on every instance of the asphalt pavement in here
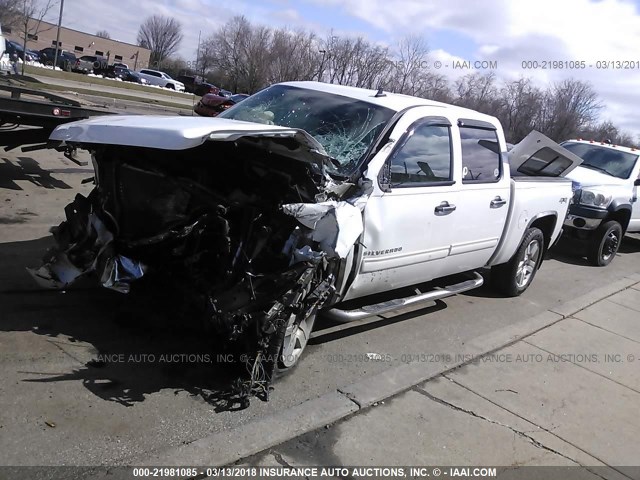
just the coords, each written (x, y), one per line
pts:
(159, 389)
(565, 396)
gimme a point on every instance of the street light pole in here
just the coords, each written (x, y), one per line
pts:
(198, 54)
(55, 57)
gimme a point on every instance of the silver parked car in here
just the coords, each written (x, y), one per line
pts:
(155, 77)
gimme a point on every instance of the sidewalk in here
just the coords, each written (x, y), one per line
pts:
(567, 395)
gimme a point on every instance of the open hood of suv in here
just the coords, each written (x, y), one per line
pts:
(175, 133)
(538, 155)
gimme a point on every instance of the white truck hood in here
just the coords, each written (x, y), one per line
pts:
(537, 154)
(588, 177)
(173, 133)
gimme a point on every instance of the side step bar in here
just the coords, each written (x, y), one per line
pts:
(345, 316)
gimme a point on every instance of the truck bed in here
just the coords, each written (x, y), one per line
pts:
(527, 197)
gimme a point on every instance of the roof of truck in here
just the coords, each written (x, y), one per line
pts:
(393, 101)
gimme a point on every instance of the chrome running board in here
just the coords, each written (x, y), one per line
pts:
(345, 316)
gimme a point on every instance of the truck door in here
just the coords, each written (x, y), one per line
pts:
(410, 221)
(484, 195)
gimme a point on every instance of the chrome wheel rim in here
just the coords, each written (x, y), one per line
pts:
(610, 245)
(527, 266)
(296, 337)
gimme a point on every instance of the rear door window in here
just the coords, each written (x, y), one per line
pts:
(481, 162)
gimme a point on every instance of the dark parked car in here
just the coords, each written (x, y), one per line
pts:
(91, 64)
(204, 88)
(66, 60)
(197, 85)
(35, 56)
(14, 48)
(125, 74)
(211, 105)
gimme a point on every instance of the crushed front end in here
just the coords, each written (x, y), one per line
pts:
(245, 230)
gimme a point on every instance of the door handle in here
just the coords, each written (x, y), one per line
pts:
(444, 209)
(497, 202)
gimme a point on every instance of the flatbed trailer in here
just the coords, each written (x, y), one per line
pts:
(40, 117)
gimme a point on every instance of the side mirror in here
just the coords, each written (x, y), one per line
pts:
(637, 182)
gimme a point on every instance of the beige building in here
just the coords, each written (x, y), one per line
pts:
(81, 43)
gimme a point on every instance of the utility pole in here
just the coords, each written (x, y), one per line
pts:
(55, 57)
(198, 53)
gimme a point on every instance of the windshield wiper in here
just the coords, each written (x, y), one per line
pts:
(600, 169)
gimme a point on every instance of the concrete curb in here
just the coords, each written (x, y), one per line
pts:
(224, 448)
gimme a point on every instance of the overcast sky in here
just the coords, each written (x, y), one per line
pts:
(508, 32)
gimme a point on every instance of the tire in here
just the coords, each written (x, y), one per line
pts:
(296, 338)
(605, 243)
(170, 86)
(515, 276)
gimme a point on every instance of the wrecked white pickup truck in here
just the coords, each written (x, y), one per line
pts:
(302, 197)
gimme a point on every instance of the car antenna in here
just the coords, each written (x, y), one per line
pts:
(380, 93)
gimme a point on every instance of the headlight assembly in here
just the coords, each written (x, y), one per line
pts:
(593, 198)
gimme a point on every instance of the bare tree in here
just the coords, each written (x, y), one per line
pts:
(607, 130)
(294, 55)
(103, 34)
(29, 22)
(433, 86)
(567, 108)
(229, 40)
(372, 66)
(9, 12)
(207, 56)
(478, 92)
(246, 57)
(161, 35)
(520, 104)
(411, 64)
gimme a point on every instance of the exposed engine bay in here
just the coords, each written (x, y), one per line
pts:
(252, 235)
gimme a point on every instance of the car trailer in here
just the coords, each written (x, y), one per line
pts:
(39, 117)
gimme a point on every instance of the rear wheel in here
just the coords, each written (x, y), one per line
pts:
(515, 276)
(605, 244)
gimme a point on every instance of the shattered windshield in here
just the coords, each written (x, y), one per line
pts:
(345, 127)
(603, 159)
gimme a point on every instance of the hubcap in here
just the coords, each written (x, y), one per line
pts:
(610, 246)
(296, 337)
(528, 264)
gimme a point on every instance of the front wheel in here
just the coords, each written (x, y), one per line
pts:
(515, 276)
(296, 337)
(170, 86)
(605, 243)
